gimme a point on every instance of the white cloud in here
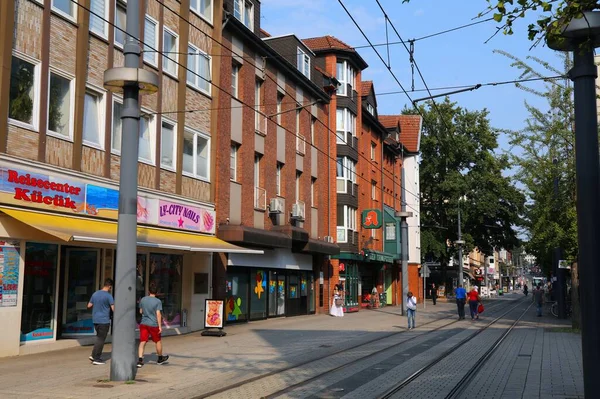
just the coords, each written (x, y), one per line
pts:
(419, 12)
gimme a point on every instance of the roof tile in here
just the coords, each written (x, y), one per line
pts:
(365, 87)
(410, 129)
(326, 43)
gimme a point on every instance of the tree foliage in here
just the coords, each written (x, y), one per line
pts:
(460, 167)
(550, 218)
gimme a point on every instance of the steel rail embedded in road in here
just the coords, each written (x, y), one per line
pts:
(394, 390)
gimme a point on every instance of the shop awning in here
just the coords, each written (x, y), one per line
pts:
(79, 229)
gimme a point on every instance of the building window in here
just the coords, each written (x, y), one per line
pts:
(278, 178)
(373, 151)
(98, 17)
(260, 120)
(199, 70)
(313, 122)
(256, 170)
(346, 223)
(60, 105)
(298, 175)
(170, 56)
(370, 109)
(243, 10)
(120, 23)
(300, 139)
(146, 136)
(346, 75)
(202, 8)
(23, 98)
(150, 41)
(168, 145)
(345, 171)
(390, 231)
(374, 190)
(345, 123)
(64, 7)
(235, 74)
(279, 107)
(93, 119)
(313, 183)
(196, 154)
(166, 274)
(233, 162)
(303, 63)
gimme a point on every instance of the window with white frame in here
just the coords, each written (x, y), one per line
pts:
(346, 75)
(256, 170)
(196, 154)
(60, 105)
(168, 146)
(373, 151)
(260, 120)
(300, 140)
(278, 178)
(120, 23)
(65, 7)
(93, 118)
(390, 231)
(233, 162)
(313, 183)
(170, 48)
(298, 176)
(346, 223)
(199, 69)
(345, 123)
(98, 17)
(23, 100)
(345, 171)
(203, 8)
(370, 109)
(243, 10)
(279, 107)
(303, 63)
(313, 122)
(150, 41)
(373, 190)
(235, 75)
(146, 135)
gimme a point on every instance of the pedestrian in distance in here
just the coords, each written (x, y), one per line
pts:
(474, 301)
(538, 298)
(411, 309)
(461, 296)
(151, 325)
(434, 293)
(525, 290)
(337, 304)
(101, 303)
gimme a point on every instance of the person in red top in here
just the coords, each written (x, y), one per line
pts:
(474, 300)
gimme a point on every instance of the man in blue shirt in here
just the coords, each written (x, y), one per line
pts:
(101, 303)
(461, 297)
(151, 325)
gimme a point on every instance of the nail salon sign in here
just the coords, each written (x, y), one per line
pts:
(185, 217)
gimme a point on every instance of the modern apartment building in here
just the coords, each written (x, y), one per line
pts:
(274, 169)
(60, 141)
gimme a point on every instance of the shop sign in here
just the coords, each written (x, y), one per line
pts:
(214, 313)
(342, 267)
(9, 273)
(185, 217)
(40, 190)
(372, 219)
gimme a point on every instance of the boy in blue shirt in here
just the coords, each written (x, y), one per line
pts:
(461, 298)
(151, 325)
(101, 303)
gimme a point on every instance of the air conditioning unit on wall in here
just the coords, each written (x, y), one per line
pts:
(276, 205)
(298, 211)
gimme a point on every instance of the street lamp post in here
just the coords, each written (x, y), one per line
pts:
(581, 35)
(460, 244)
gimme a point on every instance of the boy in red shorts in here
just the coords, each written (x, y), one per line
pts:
(151, 325)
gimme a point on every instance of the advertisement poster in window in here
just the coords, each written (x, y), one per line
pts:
(214, 313)
(165, 272)
(9, 273)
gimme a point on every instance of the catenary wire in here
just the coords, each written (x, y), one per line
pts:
(227, 93)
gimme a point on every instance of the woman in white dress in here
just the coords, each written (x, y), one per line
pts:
(337, 310)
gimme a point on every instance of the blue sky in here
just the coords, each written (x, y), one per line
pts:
(456, 58)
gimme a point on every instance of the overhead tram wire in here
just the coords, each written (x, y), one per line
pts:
(273, 80)
(227, 93)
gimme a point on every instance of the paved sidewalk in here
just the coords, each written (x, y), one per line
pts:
(200, 365)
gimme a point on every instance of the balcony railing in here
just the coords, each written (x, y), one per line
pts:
(260, 198)
(300, 144)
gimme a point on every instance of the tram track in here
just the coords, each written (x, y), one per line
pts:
(299, 365)
(464, 382)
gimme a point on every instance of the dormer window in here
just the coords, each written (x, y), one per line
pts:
(370, 109)
(303, 63)
(244, 11)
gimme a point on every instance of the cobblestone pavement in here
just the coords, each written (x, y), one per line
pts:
(533, 361)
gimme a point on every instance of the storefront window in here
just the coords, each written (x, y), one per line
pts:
(311, 292)
(258, 295)
(81, 282)
(236, 296)
(140, 284)
(165, 272)
(39, 292)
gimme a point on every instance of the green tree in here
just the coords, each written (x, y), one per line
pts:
(461, 168)
(550, 220)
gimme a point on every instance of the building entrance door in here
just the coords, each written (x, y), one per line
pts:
(81, 280)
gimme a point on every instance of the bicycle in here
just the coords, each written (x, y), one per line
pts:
(554, 309)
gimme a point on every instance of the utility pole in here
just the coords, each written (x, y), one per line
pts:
(581, 36)
(404, 229)
(559, 287)
(132, 81)
(460, 244)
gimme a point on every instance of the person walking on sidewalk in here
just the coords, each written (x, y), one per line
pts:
(411, 309)
(474, 301)
(461, 295)
(538, 298)
(151, 325)
(433, 293)
(101, 303)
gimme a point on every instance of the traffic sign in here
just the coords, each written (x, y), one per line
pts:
(425, 271)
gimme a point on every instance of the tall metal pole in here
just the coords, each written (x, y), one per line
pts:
(404, 229)
(460, 250)
(559, 287)
(123, 364)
